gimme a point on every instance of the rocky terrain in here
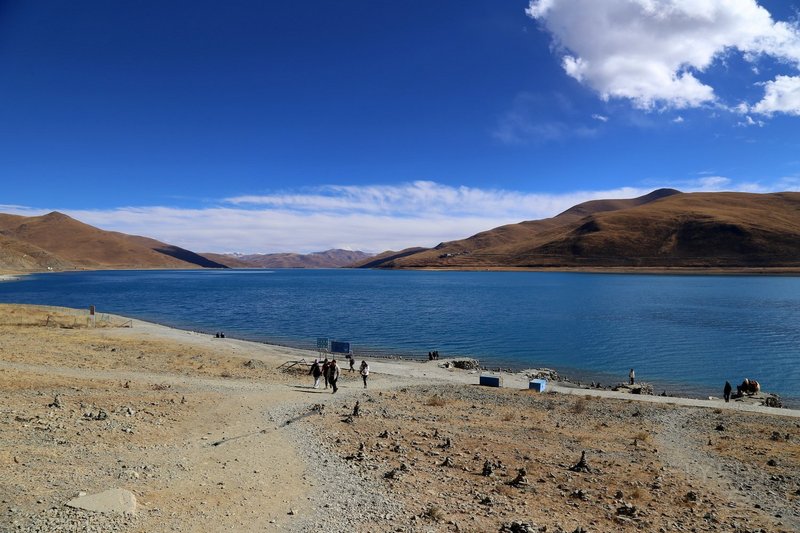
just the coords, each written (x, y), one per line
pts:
(225, 432)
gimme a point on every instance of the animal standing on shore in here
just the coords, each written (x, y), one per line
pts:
(748, 386)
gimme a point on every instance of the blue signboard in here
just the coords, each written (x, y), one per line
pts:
(340, 347)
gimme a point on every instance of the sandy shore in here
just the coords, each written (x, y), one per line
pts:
(219, 431)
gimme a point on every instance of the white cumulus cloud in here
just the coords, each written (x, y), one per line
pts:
(652, 52)
(782, 95)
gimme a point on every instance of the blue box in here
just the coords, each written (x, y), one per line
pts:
(491, 381)
(537, 384)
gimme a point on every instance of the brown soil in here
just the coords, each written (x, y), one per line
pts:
(169, 396)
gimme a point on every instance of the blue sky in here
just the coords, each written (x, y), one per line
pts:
(259, 126)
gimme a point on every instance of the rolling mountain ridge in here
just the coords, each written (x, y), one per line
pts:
(58, 242)
(665, 228)
(335, 258)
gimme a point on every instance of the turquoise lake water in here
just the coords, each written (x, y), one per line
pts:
(685, 334)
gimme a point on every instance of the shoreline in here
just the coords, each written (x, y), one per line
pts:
(419, 368)
(564, 384)
(633, 270)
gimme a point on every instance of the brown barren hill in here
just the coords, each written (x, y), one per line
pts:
(69, 243)
(663, 229)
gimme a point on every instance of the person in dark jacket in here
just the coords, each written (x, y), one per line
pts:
(726, 392)
(333, 375)
(325, 365)
(316, 371)
(364, 372)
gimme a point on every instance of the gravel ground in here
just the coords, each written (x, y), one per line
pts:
(344, 498)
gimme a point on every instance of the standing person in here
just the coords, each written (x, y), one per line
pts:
(325, 366)
(726, 392)
(333, 375)
(632, 376)
(352, 362)
(316, 371)
(364, 372)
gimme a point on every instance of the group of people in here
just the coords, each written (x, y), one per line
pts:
(433, 355)
(219, 335)
(748, 386)
(329, 370)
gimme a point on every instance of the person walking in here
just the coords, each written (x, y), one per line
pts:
(316, 371)
(364, 372)
(352, 362)
(325, 367)
(632, 376)
(726, 392)
(333, 375)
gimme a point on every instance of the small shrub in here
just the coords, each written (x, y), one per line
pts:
(435, 513)
(579, 406)
(435, 401)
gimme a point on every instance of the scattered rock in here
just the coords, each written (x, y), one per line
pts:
(110, 501)
(773, 400)
(518, 527)
(580, 494)
(581, 466)
(56, 403)
(521, 480)
(628, 510)
(101, 415)
(463, 364)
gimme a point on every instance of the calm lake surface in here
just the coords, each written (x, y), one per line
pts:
(685, 334)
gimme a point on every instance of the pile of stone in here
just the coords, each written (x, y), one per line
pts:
(541, 373)
(463, 364)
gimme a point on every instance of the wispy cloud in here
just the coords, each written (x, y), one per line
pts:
(369, 218)
(653, 52)
(537, 119)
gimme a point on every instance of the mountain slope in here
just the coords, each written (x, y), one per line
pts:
(68, 243)
(327, 259)
(662, 229)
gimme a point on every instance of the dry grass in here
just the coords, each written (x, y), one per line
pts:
(579, 406)
(435, 513)
(435, 401)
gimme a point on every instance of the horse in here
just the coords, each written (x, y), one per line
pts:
(748, 386)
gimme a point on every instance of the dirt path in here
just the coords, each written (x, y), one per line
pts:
(687, 444)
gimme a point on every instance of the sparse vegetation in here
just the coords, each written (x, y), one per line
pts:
(435, 401)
